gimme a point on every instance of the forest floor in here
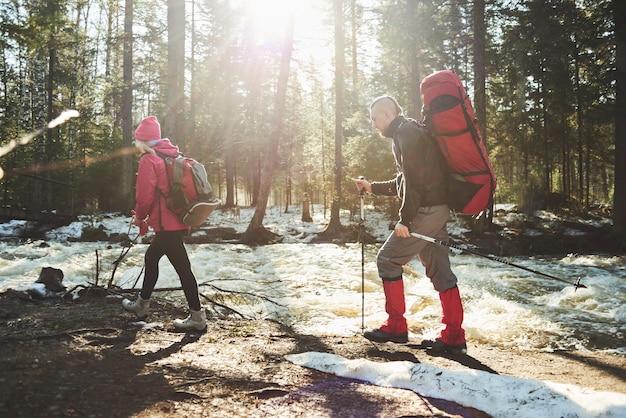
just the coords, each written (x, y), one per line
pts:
(89, 358)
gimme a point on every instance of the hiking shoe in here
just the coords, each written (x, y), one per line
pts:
(439, 347)
(139, 306)
(195, 321)
(380, 336)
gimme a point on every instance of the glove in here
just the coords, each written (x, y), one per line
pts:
(143, 226)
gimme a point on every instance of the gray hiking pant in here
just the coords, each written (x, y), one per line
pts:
(396, 251)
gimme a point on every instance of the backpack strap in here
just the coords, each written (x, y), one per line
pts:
(164, 196)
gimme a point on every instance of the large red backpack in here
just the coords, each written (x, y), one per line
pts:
(449, 116)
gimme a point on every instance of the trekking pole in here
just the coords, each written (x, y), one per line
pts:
(498, 259)
(362, 234)
(125, 250)
(142, 231)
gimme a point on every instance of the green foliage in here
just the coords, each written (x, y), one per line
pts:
(550, 93)
(546, 99)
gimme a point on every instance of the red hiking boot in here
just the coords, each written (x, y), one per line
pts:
(452, 337)
(394, 329)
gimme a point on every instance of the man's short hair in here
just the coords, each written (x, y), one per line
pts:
(389, 102)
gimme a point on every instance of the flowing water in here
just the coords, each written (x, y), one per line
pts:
(321, 289)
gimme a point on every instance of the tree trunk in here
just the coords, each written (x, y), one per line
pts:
(175, 116)
(193, 77)
(50, 133)
(480, 95)
(288, 185)
(619, 199)
(306, 209)
(256, 232)
(354, 48)
(583, 194)
(127, 108)
(228, 120)
(334, 225)
(39, 119)
(415, 101)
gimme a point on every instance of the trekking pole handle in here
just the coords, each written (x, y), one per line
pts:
(362, 191)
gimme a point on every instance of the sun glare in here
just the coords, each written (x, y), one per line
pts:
(269, 18)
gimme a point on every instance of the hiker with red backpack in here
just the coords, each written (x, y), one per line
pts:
(152, 210)
(421, 183)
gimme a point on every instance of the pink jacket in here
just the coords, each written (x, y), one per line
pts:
(151, 177)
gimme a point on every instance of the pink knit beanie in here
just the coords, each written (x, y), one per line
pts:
(149, 129)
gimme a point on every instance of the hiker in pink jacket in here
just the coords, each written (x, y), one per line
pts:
(151, 210)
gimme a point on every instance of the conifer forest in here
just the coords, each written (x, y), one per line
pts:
(273, 96)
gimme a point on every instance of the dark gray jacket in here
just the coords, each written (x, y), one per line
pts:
(422, 173)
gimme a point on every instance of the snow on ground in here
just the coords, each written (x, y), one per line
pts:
(499, 396)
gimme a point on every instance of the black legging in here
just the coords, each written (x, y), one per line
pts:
(170, 243)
